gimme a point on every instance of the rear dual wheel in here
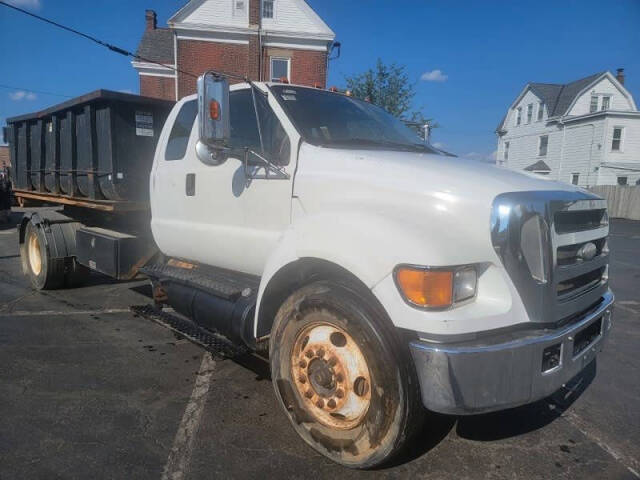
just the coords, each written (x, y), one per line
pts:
(342, 376)
(48, 273)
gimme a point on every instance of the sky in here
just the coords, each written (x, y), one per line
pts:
(467, 60)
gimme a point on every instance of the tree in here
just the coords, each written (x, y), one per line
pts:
(388, 86)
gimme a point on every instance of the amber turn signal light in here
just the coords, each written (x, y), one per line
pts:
(214, 110)
(426, 288)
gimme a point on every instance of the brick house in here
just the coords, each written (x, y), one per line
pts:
(5, 160)
(262, 39)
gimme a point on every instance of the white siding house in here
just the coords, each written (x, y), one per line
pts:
(585, 132)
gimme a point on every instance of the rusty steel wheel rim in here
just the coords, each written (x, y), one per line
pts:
(331, 375)
(35, 260)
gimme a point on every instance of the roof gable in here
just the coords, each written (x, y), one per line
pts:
(559, 98)
(569, 92)
(296, 16)
(210, 13)
(292, 17)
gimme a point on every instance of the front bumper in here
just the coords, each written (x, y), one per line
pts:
(488, 375)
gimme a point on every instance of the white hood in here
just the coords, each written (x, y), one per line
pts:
(426, 203)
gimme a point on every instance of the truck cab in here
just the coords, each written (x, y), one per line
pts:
(389, 276)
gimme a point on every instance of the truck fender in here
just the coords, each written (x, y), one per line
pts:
(352, 242)
(59, 234)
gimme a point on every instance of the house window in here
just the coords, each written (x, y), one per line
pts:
(623, 180)
(544, 143)
(240, 7)
(605, 103)
(280, 67)
(593, 106)
(529, 112)
(505, 155)
(519, 116)
(267, 8)
(540, 111)
(574, 178)
(616, 142)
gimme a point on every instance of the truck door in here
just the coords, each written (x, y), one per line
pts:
(221, 217)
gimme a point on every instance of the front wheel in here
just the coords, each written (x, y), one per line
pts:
(342, 375)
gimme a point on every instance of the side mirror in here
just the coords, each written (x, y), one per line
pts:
(213, 118)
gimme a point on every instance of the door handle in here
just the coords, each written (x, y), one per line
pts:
(190, 185)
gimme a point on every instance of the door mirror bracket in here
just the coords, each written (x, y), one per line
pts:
(262, 169)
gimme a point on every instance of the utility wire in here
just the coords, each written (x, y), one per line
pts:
(111, 47)
(9, 87)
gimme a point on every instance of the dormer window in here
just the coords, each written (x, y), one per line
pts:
(267, 8)
(593, 106)
(606, 101)
(519, 116)
(540, 111)
(529, 112)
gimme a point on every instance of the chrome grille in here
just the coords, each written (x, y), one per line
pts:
(572, 252)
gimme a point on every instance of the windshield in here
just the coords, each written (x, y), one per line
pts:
(334, 120)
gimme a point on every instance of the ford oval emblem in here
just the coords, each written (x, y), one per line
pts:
(587, 251)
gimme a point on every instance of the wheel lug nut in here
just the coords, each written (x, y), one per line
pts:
(320, 403)
(320, 353)
(309, 394)
(339, 393)
(302, 379)
(302, 364)
(331, 403)
(309, 353)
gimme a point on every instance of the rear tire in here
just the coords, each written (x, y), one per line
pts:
(342, 375)
(44, 272)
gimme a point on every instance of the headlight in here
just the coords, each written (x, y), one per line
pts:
(439, 287)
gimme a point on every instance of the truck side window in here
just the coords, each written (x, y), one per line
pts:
(181, 131)
(244, 127)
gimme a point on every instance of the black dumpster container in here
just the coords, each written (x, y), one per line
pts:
(36, 144)
(98, 146)
(22, 160)
(52, 155)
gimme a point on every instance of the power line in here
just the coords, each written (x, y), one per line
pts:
(9, 87)
(111, 47)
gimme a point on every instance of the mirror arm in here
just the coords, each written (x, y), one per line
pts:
(255, 109)
(268, 166)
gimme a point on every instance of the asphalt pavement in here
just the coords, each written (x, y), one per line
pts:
(90, 390)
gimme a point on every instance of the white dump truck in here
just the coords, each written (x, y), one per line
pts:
(382, 278)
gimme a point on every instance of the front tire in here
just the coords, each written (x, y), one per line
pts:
(343, 376)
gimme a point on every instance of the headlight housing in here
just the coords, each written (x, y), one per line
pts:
(436, 288)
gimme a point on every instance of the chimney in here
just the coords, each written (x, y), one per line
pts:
(620, 75)
(150, 19)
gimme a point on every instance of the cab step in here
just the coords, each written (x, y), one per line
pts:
(217, 300)
(219, 346)
(219, 282)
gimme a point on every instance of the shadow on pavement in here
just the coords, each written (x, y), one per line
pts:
(520, 420)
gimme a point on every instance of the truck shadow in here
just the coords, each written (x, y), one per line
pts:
(499, 425)
(520, 420)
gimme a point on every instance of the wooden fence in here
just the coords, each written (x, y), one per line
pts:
(622, 201)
